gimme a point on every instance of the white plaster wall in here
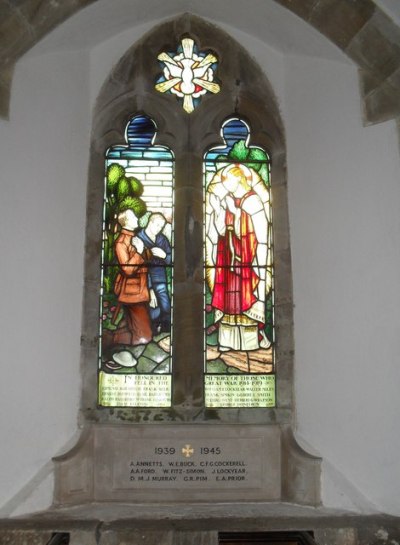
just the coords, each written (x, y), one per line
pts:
(43, 157)
(319, 101)
(344, 198)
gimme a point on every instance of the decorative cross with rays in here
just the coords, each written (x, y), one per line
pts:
(188, 451)
(188, 74)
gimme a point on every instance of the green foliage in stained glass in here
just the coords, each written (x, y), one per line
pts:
(122, 193)
(221, 160)
(239, 152)
(136, 186)
(114, 173)
(254, 158)
(256, 154)
(239, 290)
(134, 203)
(123, 188)
(137, 275)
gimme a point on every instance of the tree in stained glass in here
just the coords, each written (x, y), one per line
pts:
(239, 319)
(188, 74)
(136, 293)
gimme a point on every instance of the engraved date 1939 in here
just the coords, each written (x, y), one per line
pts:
(165, 450)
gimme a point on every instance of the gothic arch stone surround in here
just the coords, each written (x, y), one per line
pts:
(359, 28)
(128, 90)
(291, 474)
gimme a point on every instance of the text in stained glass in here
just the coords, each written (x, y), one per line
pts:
(136, 292)
(239, 318)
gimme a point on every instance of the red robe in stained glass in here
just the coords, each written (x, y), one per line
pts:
(235, 279)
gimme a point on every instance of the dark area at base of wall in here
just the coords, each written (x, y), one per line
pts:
(195, 524)
(266, 538)
(59, 538)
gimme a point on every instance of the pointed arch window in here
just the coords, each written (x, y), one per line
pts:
(216, 363)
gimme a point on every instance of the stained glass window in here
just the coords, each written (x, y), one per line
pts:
(239, 279)
(188, 74)
(137, 256)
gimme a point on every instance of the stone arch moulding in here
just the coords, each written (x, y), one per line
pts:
(360, 29)
(246, 93)
(286, 471)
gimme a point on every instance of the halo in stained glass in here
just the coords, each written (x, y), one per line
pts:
(188, 74)
(239, 273)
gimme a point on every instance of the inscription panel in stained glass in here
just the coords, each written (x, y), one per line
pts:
(239, 290)
(135, 364)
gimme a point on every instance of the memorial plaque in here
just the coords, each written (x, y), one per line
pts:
(134, 390)
(240, 390)
(187, 462)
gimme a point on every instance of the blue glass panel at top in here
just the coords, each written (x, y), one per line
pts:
(140, 131)
(140, 135)
(232, 131)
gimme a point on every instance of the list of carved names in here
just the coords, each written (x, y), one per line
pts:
(224, 463)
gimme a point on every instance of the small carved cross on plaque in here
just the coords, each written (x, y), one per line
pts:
(188, 451)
